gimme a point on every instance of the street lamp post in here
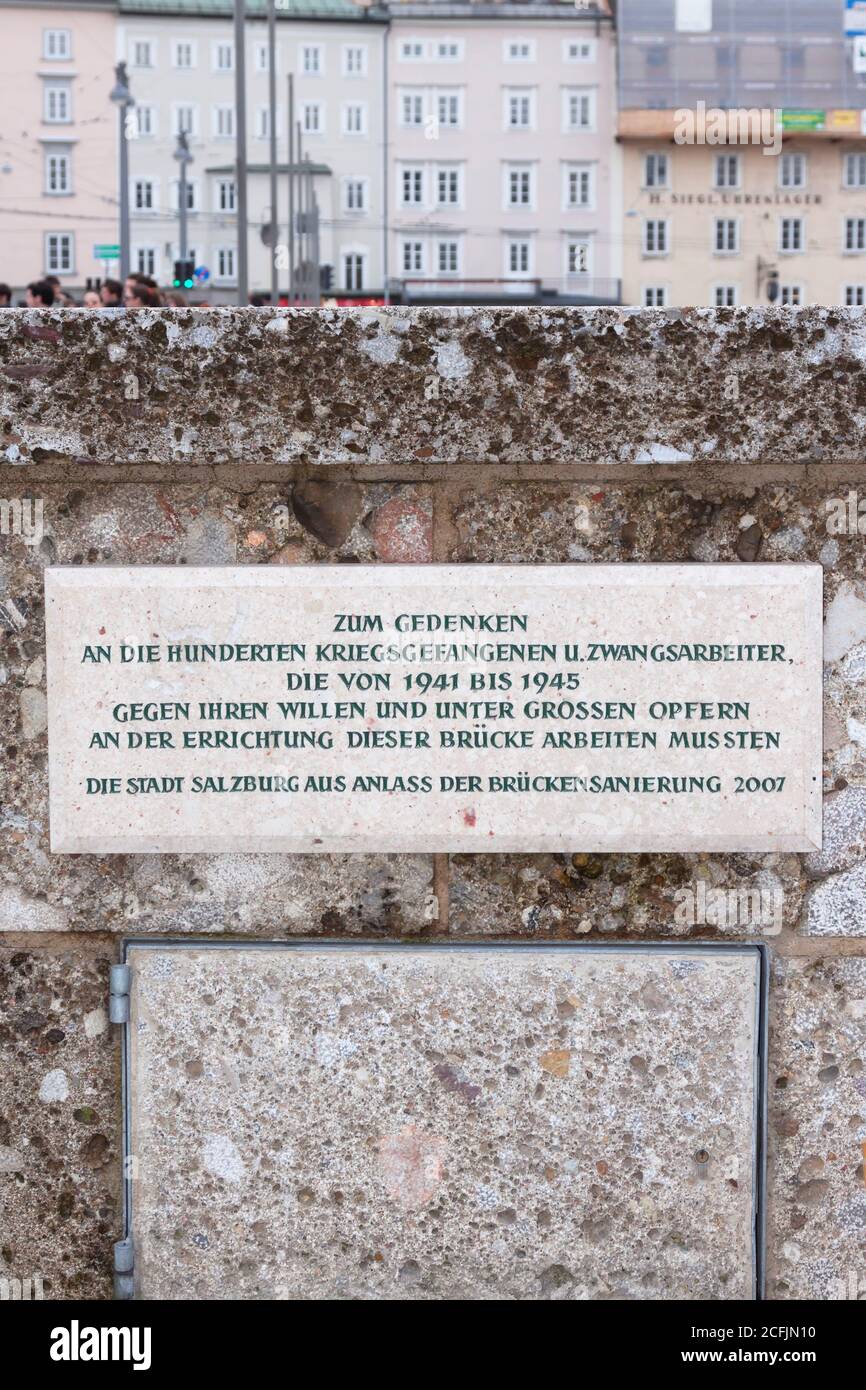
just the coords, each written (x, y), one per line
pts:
(184, 159)
(122, 98)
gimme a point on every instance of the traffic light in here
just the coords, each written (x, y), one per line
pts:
(184, 275)
(326, 278)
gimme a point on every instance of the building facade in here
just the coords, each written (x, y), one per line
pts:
(180, 58)
(744, 154)
(504, 177)
(58, 142)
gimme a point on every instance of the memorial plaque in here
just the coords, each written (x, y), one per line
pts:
(443, 1122)
(435, 708)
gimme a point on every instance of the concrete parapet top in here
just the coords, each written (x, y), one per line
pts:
(409, 386)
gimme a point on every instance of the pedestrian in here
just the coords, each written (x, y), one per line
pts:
(61, 298)
(111, 294)
(142, 297)
(175, 300)
(40, 295)
(5, 297)
(92, 300)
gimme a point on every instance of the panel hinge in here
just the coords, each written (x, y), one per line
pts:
(123, 1264)
(118, 998)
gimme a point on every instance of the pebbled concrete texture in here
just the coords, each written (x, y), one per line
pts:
(441, 385)
(442, 1124)
(817, 1132)
(59, 1122)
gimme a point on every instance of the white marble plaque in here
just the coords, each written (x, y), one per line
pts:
(435, 708)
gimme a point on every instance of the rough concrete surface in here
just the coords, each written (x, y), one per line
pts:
(443, 385)
(59, 1122)
(441, 1125)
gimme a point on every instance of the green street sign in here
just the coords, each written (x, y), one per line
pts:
(803, 120)
(106, 253)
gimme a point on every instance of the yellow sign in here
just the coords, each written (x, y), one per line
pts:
(843, 120)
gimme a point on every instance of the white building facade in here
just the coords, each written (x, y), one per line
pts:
(504, 174)
(181, 66)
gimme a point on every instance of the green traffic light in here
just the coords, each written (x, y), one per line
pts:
(187, 284)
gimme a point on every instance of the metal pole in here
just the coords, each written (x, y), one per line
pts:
(311, 244)
(183, 209)
(241, 149)
(291, 189)
(272, 102)
(122, 113)
(317, 253)
(302, 274)
(386, 173)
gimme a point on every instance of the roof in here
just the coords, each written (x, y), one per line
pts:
(286, 9)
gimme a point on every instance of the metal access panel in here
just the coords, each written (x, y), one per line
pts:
(365, 1121)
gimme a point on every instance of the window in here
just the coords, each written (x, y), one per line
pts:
(655, 236)
(57, 104)
(655, 171)
(262, 56)
(184, 54)
(578, 51)
(655, 297)
(518, 186)
(355, 195)
(725, 296)
(59, 253)
(355, 118)
(579, 186)
(518, 256)
(577, 256)
(58, 172)
(518, 51)
(449, 108)
(56, 44)
(145, 260)
(145, 121)
(855, 233)
(223, 57)
(412, 50)
(191, 200)
(791, 294)
(185, 120)
(353, 270)
(226, 195)
(792, 171)
(263, 122)
(519, 108)
(855, 295)
(726, 235)
(447, 257)
(727, 171)
(144, 195)
(448, 187)
(412, 256)
(313, 117)
(411, 107)
(448, 51)
(143, 53)
(225, 263)
(854, 175)
(579, 109)
(693, 16)
(312, 59)
(412, 186)
(791, 234)
(224, 122)
(354, 59)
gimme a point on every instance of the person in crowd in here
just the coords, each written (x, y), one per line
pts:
(5, 297)
(92, 300)
(61, 298)
(111, 294)
(40, 295)
(137, 278)
(175, 300)
(141, 296)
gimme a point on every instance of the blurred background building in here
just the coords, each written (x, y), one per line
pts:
(525, 151)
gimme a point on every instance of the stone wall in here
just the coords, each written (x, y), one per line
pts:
(286, 438)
